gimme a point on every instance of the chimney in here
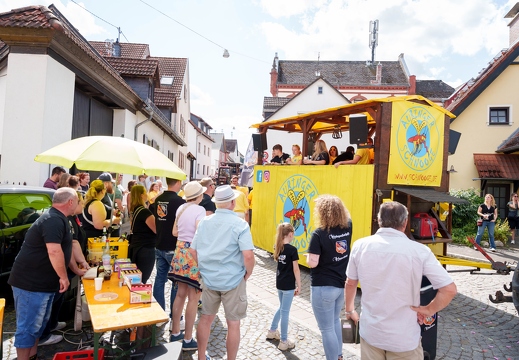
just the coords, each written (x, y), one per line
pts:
(514, 24)
(274, 77)
(412, 85)
(378, 76)
(116, 49)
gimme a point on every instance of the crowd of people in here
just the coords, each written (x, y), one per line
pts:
(365, 154)
(198, 236)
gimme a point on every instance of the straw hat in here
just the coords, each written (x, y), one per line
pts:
(224, 194)
(193, 189)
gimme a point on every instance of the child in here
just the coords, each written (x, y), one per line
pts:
(288, 283)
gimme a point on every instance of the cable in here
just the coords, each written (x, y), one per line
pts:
(197, 33)
(100, 18)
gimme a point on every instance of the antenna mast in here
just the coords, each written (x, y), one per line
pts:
(373, 38)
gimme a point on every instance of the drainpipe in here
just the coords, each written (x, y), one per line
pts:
(150, 112)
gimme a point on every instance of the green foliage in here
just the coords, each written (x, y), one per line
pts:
(464, 214)
(464, 219)
(501, 232)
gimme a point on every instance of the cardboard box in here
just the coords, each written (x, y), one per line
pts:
(140, 293)
(117, 262)
(124, 267)
(131, 277)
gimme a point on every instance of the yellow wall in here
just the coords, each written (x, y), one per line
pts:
(281, 190)
(477, 136)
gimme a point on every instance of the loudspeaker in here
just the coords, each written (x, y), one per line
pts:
(454, 138)
(358, 129)
(259, 141)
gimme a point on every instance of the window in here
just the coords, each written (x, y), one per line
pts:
(171, 156)
(199, 146)
(203, 170)
(320, 90)
(499, 116)
(182, 126)
(204, 149)
(501, 195)
(198, 169)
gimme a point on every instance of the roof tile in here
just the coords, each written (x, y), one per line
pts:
(497, 166)
(136, 67)
(128, 50)
(36, 17)
(340, 73)
(433, 89)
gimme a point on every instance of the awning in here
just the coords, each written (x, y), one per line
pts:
(327, 119)
(429, 194)
(497, 166)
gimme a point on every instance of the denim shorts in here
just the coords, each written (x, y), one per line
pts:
(32, 314)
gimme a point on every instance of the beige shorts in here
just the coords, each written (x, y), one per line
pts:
(368, 352)
(234, 302)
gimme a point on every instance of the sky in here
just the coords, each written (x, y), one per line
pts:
(440, 39)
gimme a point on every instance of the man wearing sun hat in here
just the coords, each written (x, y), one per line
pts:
(223, 249)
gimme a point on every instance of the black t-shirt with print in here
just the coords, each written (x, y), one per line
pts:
(285, 278)
(277, 159)
(487, 210)
(333, 248)
(323, 156)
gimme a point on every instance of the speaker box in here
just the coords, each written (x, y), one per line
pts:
(358, 129)
(259, 141)
(454, 138)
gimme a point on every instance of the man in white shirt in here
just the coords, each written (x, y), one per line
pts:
(390, 267)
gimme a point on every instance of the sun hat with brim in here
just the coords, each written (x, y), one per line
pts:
(224, 194)
(193, 189)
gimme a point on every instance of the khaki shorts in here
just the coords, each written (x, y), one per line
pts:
(234, 302)
(368, 352)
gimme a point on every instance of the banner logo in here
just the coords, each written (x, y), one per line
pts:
(293, 206)
(418, 138)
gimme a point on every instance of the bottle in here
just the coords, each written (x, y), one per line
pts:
(106, 253)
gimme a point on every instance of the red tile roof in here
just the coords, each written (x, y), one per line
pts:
(128, 50)
(164, 97)
(136, 67)
(41, 17)
(36, 17)
(497, 166)
(175, 67)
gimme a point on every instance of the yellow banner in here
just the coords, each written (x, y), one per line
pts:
(286, 193)
(416, 151)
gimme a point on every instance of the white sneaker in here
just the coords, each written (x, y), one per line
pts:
(285, 345)
(60, 325)
(273, 334)
(492, 249)
(512, 242)
(53, 339)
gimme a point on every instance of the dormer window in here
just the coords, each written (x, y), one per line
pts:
(320, 90)
(166, 80)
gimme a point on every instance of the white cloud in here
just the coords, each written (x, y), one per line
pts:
(426, 31)
(199, 98)
(287, 8)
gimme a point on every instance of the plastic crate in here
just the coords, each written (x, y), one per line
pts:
(82, 355)
(118, 249)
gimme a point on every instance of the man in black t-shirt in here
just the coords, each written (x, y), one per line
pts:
(278, 156)
(40, 270)
(165, 209)
(207, 203)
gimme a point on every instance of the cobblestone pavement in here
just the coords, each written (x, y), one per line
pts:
(471, 327)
